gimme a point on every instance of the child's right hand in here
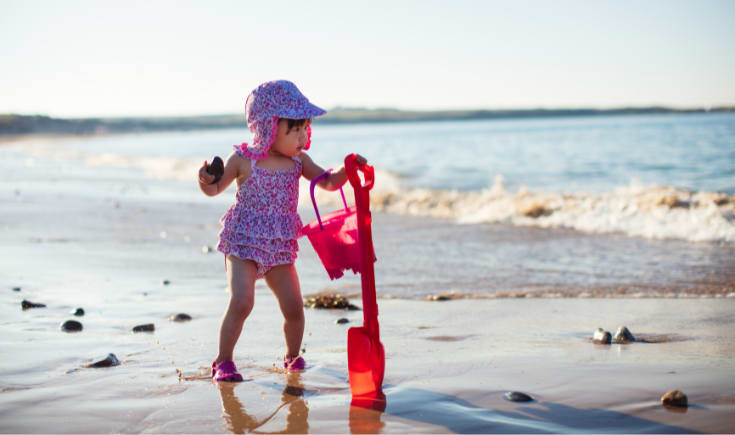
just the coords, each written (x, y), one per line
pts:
(205, 177)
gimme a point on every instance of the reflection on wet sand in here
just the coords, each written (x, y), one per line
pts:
(365, 413)
(239, 421)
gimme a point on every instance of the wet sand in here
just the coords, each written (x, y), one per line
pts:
(101, 240)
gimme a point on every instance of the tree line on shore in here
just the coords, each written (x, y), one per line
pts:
(14, 124)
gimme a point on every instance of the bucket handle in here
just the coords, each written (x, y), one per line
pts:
(313, 200)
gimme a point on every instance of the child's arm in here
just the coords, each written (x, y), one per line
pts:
(234, 168)
(334, 180)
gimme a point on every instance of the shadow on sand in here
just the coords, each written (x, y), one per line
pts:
(446, 411)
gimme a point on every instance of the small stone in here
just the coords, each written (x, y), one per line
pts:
(216, 168)
(71, 326)
(675, 398)
(148, 327)
(601, 336)
(516, 396)
(110, 361)
(165, 282)
(342, 320)
(181, 317)
(28, 304)
(78, 312)
(16, 289)
(623, 335)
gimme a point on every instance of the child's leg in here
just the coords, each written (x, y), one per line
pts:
(241, 276)
(284, 282)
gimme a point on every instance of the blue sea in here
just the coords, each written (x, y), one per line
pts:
(569, 206)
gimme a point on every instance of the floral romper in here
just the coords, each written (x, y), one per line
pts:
(263, 225)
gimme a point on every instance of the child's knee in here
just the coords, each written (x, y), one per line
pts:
(294, 312)
(242, 304)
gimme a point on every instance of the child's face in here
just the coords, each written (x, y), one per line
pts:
(290, 143)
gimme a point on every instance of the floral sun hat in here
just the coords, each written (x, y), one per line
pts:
(263, 107)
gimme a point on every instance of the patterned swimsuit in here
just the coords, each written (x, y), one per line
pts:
(263, 225)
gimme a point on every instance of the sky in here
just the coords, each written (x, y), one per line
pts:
(168, 58)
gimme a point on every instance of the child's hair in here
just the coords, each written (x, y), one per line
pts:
(296, 123)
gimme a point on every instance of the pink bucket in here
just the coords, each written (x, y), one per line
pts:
(334, 237)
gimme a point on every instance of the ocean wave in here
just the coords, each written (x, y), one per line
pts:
(649, 211)
(655, 212)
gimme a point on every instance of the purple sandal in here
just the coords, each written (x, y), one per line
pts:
(225, 372)
(294, 364)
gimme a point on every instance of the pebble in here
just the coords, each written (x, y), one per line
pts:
(342, 321)
(28, 304)
(16, 289)
(165, 282)
(71, 326)
(78, 312)
(216, 168)
(148, 327)
(516, 396)
(675, 398)
(181, 317)
(601, 336)
(110, 361)
(623, 335)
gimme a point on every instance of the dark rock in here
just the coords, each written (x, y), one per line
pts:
(601, 336)
(675, 398)
(110, 361)
(623, 335)
(71, 326)
(78, 312)
(342, 321)
(516, 396)
(148, 327)
(16, 289)
(181, 317)
(165, 282)
(28, 304)
(330, 302)
(216, 168)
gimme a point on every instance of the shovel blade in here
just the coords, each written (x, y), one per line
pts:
(365, 362)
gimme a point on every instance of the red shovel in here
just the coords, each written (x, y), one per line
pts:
(365, 353)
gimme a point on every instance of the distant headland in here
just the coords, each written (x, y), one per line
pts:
(13, 124)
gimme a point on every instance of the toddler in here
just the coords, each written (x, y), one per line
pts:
(260, 231)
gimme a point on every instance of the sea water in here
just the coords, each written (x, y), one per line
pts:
(562, 206)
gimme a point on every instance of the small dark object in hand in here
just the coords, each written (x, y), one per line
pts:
(216, 168)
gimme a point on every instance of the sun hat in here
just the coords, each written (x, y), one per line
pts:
(265, 105)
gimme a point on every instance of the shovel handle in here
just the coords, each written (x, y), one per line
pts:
(351, 166)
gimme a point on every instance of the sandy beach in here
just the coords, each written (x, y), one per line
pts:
(99, 238)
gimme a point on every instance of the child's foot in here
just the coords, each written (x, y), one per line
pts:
(294, 364)
(225, 372)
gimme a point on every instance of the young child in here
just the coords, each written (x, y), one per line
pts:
(260, 230)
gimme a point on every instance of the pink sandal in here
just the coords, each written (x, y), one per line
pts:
(225, 372)
(294, 364)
